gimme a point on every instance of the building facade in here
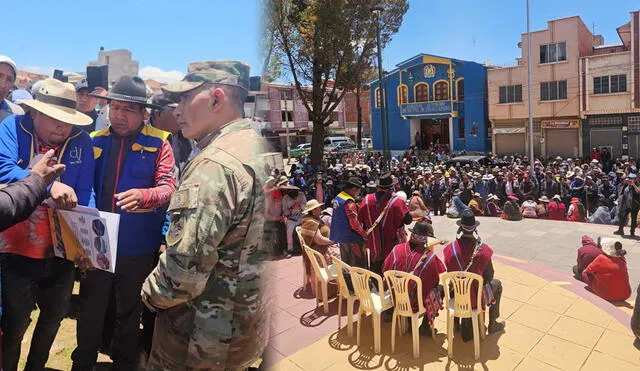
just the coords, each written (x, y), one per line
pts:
(433, 100)
(278, 106)
(351, 113)
(557, 126)
(610, 93)
(119, 63)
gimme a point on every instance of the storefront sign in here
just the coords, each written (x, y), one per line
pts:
(426, 108)
(560, 124)
(509, 130)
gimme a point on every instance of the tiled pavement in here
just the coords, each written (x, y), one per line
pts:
(552, 322)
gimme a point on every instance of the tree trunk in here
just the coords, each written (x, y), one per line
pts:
(359, 113)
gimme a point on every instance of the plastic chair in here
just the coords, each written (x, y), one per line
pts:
(324, 273)
(460, 305)
(370, 302)
(343, 293)
(399, 282)
(305, 276)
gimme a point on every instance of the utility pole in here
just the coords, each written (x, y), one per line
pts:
(529, 89)
(286, 118)
(383, 96)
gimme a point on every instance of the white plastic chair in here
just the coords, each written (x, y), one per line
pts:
(343, 293)
(323, 273)
(399, 283)
(460, 305)
(370, 302)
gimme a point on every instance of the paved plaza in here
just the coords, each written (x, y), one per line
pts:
(552, 321)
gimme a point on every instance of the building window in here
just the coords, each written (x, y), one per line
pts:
(403, 94)
(607, 120)
(377, 97)
(287, 116)
(537, 127)
(474, 130)
(553, 52)
(460, 90)
(441, 90)
(553, 90)
(333, 117)
(421, 92)
(286, 94)
(609, 84)
(461, 128)
(634, 124)
(510, 94)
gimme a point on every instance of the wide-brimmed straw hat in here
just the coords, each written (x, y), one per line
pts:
(544, 199)
(311, 204)
(57, 100)
(608, 245)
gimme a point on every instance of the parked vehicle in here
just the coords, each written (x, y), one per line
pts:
(340, 147)
(300, 150)
(332, 140)
(473, 161)
(366, 143)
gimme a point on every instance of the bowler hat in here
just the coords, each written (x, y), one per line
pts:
(468, 221)
(422, 231)
(130, 89)
(386, 181)
(354, 181)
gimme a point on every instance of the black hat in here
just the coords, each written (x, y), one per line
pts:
(160, 100)
(468, 221)
(353, 181)
(386, 181)
(129, 89)
(422, 232)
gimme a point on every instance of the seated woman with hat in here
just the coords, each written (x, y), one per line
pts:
(492, 208)
(315, 234)
(529, 208)
(511, 210)
(556, 209)
(541, 209)
(476, 205)
(607, 275)
(417, 257)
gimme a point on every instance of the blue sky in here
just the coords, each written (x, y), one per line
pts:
(167, 35)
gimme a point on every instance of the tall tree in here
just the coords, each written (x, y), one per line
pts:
(326, 45)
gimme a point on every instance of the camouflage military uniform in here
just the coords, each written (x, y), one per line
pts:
(208, 286)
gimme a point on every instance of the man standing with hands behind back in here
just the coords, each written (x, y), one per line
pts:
(628, 203)
(208, 287)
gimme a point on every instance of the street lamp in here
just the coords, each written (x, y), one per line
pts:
(386, 163)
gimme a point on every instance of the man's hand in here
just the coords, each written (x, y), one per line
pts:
(48, 173)
(83, 263)
(64, 196)
(130, 200)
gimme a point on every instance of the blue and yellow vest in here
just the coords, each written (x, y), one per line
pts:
(340, 229)
(140, 231)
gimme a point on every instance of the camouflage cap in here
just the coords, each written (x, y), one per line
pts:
(221, 72)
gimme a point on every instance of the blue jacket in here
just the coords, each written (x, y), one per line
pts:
(341, 231)
(140, 232)
(18, 147)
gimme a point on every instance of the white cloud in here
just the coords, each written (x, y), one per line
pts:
(42, 70)
(158, 74)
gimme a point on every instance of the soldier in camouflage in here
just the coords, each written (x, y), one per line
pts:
(208, 288)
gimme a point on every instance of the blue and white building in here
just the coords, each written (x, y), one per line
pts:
(437, 100)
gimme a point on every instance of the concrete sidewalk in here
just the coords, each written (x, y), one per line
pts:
(552, 322)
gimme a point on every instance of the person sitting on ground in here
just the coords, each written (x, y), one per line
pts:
(417, 257)
(587, 253)
(576, 212)
(476, 205)
(541, 209)
(457, 206)
(556, 209)
(529, 208)
(602, 215)
(511, 210)
(607, 275)
(492, 208)
(469, 254)
(315, 235)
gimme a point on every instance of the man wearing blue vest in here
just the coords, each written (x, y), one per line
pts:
(345, 227)
(134, 177)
